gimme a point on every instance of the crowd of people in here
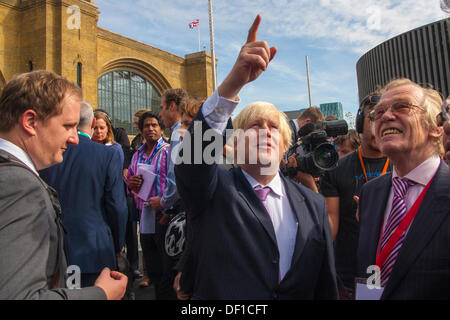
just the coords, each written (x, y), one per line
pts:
(75, 192)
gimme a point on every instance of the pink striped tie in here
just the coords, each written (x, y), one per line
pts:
(262, 195)
(398, 212)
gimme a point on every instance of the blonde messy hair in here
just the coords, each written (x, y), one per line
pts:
(431, 103)
(265, 110)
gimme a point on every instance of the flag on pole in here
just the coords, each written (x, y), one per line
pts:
(194, 24)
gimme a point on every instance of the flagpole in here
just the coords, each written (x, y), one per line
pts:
(309, 85)
(198, 27)
(211, 36)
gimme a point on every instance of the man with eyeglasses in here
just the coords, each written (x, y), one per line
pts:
(405, 216)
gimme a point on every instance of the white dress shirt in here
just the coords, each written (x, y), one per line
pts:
(18, 153)
(283, 219)
(217, 110)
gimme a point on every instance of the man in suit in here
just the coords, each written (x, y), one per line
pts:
(40, 112)
(405, 215)
(91, 191)
(257, 235)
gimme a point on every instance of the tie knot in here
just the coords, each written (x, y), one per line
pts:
(401, 186)
(262, 192)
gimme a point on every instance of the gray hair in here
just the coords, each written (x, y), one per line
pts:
(86, 114)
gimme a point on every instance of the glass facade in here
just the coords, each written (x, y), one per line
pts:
(121, 93)
(333, 108)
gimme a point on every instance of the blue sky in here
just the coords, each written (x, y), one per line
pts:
(334, 34)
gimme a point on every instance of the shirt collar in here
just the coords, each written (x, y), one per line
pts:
(275, 184)
(84, 134)
(18, 152)
(175, 126)
(423, 173)
(143, 147)
(296, 125)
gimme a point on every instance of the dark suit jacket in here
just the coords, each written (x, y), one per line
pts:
(31, 253)
(422, 270)
(90, 187)
(234, 249)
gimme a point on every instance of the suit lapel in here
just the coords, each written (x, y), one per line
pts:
(375, 211)
(432, 211)
(249, 196)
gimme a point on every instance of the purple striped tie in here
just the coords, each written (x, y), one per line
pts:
(398, 212)
(262, 195)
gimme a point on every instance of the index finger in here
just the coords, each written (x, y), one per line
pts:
(253, 29)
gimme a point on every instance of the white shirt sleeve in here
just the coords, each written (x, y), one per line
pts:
(217, 110)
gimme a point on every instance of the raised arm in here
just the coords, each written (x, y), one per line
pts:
(253, 59)
(196, 182)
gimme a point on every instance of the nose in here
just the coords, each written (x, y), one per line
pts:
(73, 138)
(268, 130)
(388, 114)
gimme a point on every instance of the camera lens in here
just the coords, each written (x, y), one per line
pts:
(325, 156)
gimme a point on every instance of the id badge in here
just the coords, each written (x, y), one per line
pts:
(367, 291)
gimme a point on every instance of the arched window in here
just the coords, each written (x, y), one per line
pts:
(121, 93)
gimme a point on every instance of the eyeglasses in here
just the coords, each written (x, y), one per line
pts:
(397, 108)
(444, 116)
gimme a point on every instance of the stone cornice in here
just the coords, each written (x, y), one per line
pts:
(137, 45)
(23, 6)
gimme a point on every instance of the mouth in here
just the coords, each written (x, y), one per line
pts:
(390, 131)
(264, 146)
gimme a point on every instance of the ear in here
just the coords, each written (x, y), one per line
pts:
(173, 106)
(436, 133)
(28, 121)
(94, 121)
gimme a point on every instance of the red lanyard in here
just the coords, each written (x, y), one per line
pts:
(384, 254)
(386, 164)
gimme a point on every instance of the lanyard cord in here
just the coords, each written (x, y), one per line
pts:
(386, 164)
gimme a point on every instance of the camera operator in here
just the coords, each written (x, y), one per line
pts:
(311, 115)
(314, 152)
(340, 185)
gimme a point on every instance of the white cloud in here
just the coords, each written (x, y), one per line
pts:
(334, 33)
(352, 25)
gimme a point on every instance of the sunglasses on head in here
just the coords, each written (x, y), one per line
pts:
(370, 100)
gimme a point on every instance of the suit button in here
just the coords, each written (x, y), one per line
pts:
(275, 295)
(274, 261)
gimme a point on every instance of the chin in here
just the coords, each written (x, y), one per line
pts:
(389, 148)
